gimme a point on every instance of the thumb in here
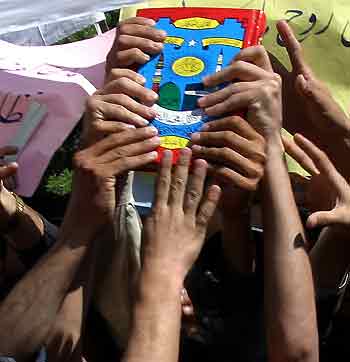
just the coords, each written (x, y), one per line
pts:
(321, 218)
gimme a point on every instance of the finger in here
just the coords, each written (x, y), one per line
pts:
(179, 179)
(163, 180)
(299, 155)
(122, 108)
(129, 57)
(236, 102)
(321, 161)
(321, 218)
(207, 208)
(100, 129)
(231, 140)
(133, 163)
(195, 187)
(243, 71)
(117, 73)
(8, 170)
(228, 157)
(145, 45)
(232, 178)
(138, 20)
(235, 124)
(294, 48)
(135, 148)
(122, 139)
(225, 93)
(143, 31)
(131, 89)
(256, 55)
(8, 150)
(123, 101)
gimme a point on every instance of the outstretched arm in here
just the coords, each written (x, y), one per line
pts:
(32, 306)
(289, 293)
(172, 240)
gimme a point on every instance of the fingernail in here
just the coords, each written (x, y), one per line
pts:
(201, 101)
(153, 155)
(130, 126)
(152, 114)
(195, 137)
(155, 140)
(205, 127)
(162, 34)
(147, 57)
(151, 22)
(153, 130)
(158, 46)
(141, 120)
(141, 79)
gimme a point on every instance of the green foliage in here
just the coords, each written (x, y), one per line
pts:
(60, 185)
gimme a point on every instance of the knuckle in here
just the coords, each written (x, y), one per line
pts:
(203, 217)
(124, 28)
(177, 184)
(226, 152)
(193, 195)
(123, 40)
(163, 181)
(136, 53)
(92, 103)
(227, 136)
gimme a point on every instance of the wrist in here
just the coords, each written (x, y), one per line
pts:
(159, 284)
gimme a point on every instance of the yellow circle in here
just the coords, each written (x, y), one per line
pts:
(188, 66)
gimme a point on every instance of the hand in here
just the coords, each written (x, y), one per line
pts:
(97, 167)
(174, 234)
(258, 91)
(317, 163)
(135, 40)
(234, 150)
(7, 201)
(309, 107)
(114, 102)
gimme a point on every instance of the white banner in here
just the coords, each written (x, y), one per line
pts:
(17, 15)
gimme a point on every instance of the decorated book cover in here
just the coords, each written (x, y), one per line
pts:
(200, 41)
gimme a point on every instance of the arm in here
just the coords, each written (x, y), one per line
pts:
(330, 256)
(31, 307)
(289, 294)
(172, 239)
(289, 298)
(33, 304)
(309, 107)
(28, 228)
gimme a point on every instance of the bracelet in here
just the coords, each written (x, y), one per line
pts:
(13, 223)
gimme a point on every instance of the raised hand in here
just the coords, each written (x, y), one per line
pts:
(309, 107)
(174, 233)
(136, 39)
(257, 91)
(318, 164)
(97, 167)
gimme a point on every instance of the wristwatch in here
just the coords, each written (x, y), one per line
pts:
(13, 223)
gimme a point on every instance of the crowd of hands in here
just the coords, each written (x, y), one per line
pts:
(228, 163)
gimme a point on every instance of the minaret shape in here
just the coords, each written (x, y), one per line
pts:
(157, 77)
